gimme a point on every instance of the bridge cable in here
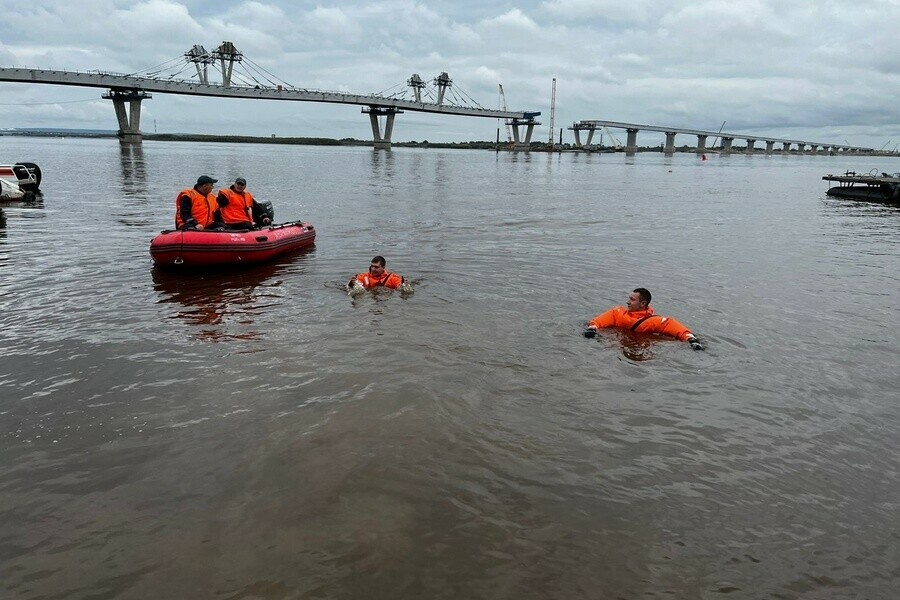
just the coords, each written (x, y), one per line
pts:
(252, 71)
(401, 92)
(158, 68)
(178, 72)
(270, 74)
(462, 98)
(45, 103)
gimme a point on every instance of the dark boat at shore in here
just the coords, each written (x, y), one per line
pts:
(870, 187)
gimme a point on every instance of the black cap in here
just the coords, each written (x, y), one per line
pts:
(204, 179)
(241, 180)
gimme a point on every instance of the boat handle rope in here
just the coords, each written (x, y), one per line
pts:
(178, 259)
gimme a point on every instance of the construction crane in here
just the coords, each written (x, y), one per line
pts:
(618, 144)
(509, 137)
(552, 111)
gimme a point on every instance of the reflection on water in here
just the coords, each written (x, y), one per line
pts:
(134, 170)
(3, 255)
(24, 208)
(635, 346)
(224, 305)
(638, 347)
(133, 209)
(33, 202)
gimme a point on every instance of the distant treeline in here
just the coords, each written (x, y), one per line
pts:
(315, 141)
(250, 139)
(239, 139)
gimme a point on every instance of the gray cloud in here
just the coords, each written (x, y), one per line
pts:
(815, 69)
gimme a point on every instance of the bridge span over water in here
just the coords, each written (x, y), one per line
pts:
(632, 130)
(127, 91)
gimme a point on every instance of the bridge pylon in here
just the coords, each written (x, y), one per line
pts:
(416, 83)
(442, 82)
(201, 59)
(389, 112)
(227, 55)
(129, 120)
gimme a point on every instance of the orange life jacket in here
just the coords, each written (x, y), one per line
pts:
(388, 280)
(239, 208)
(202, 207)
(641, 321)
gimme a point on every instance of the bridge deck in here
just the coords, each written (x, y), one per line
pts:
(589, 124)
(148, 84)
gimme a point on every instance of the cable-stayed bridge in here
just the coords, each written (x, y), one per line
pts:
(241, 78)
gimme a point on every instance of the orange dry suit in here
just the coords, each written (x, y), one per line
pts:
(235, 207)
(641, 321)
(388, 280)
(193, 208)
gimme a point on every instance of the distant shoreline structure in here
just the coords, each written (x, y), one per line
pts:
(316, 141)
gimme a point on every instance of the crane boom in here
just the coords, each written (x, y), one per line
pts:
(509, 137)
(618, 144)
(552, 110)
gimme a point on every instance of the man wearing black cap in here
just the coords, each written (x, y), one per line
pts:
(237, 206)
(195, 207)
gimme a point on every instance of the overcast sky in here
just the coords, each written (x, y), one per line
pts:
(822, 70)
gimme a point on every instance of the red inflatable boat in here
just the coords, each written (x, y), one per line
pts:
(192, 248)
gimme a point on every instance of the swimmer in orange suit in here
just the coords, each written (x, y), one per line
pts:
(376, 276)
(638, 316)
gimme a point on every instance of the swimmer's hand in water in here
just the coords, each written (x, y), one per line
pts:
(354, 288)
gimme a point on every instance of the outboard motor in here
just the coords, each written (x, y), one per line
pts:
(262, 210)
(29, 176)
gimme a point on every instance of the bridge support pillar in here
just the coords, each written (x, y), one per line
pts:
(785, 147)
(670, 143)
(750, 144)
(726, 144)
(701, 143)
(769, 146)
(577, 131)
(519, 144)
(631, 140)
(129, 120)
(382, 140)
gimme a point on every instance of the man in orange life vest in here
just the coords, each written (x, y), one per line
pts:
(236, 206)
(376, 276)
(195, 207)
(638, 316)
